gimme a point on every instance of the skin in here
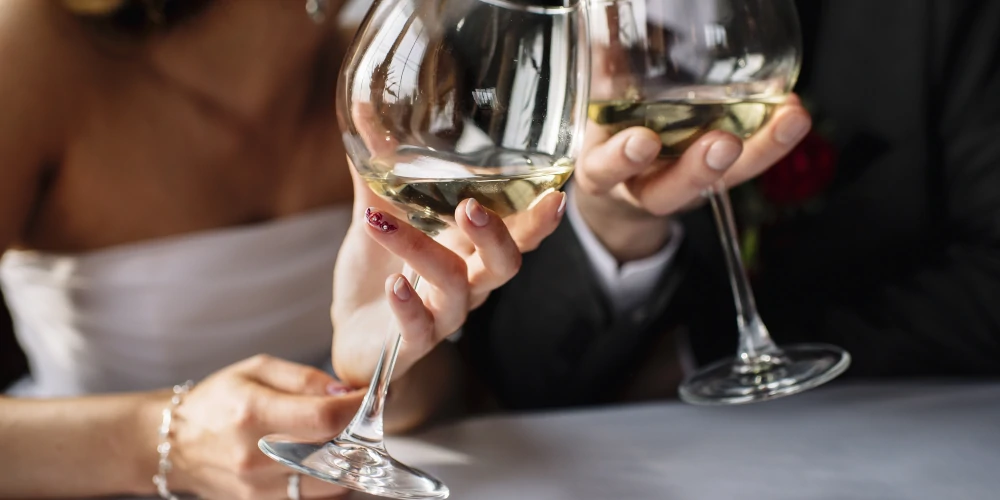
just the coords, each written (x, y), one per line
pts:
(625, 194)
(240, 135)
(224, 120)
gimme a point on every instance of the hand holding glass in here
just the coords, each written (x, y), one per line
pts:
(684, 68)
(441, 101)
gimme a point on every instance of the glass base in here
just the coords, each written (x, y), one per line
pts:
(353, 465)
(795, 369)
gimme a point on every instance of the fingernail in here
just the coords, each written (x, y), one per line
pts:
(562, 206)
(641, 149)
(474, 211)
(378, 221)
(401, 289)
(722, 154)
(337, 389)
(791, 130)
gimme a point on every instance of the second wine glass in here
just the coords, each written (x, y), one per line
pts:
(440, 101)
(684, 68)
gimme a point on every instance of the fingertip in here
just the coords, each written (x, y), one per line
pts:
(397, 287)
(553, 203)
(641, 145)
(473, 212)
(792, 126)
(721, 150)
(562, 206)
(380, 221)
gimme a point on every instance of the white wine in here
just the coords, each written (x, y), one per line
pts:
(429, 185)
(681, 122)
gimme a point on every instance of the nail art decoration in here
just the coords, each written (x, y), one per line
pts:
(376, 220)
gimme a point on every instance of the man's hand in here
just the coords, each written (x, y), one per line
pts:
(626, 194)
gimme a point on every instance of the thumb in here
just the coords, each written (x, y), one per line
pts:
(307, 417)
(292, 378)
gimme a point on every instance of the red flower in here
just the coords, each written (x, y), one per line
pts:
(802, 175)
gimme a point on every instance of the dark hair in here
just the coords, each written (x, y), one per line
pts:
(135, 17)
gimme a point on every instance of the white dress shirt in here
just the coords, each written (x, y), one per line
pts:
(626, 284)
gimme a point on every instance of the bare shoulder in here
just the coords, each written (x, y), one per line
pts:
(39, 84)
(41, 56)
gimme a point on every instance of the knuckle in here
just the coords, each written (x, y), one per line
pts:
(457, 273)
(411, 246)
(312, 378)
(528, 245)
(258, 360)
(423, 329)
(244, 416)
(513, 266)
(504, 268)
(475, 303)
(585, 184)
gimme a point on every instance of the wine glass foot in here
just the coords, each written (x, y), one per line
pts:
(355, 466)
(798, 368)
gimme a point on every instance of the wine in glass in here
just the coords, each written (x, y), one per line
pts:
(440, 101)
(684, 68)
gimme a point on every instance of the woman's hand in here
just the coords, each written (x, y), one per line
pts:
(626, 194)
(458, 271)
(217, 426)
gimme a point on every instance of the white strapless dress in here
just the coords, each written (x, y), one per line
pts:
(152, 314)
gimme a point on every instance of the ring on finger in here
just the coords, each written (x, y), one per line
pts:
(293, 487)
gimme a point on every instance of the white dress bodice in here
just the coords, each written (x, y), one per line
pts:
(152, 314)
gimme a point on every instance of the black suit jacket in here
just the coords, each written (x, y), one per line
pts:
(901, 266)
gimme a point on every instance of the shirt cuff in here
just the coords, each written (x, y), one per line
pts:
(627, 285)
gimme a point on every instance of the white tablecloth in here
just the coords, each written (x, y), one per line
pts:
(937, 441)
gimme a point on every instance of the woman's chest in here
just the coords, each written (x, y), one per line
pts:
(156, 168)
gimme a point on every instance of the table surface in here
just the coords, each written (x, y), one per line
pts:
(852, 442)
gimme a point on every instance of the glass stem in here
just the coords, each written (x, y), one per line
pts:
(755, 340)
(366, 427)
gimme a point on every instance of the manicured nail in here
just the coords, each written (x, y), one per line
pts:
(401, 289)
(337, 389)
(722, 154)
(562, 206)
(378, 221)
(476, 214)
(642, 150)
(791, 130)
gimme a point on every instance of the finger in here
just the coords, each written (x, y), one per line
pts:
(415, 321)
(789, 126)
(499, 259)
(292, 378)
(306, 417)
(435, 263)
(529, 228)
(668, 190)
(621, 157)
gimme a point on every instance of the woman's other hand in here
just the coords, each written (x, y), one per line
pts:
(217, 426)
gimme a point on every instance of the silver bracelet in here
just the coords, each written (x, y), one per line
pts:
(163, 448)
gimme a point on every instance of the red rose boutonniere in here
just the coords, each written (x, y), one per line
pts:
(802, 175)
(792, 188)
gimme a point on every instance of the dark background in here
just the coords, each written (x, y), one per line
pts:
(12, 362)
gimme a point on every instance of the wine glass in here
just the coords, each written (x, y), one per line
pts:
(439, 101)
(684, 68)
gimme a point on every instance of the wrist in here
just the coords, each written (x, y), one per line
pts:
(628, 233)
(143, 427)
